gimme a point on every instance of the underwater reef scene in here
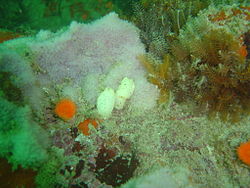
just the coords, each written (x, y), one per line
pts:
(129, 94)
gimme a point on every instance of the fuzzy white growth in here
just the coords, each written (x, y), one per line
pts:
(106, 102)
(124, 92)
(88, 56)
(164, 177)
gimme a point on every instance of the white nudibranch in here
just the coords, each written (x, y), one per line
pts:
(108, 99)
(106, 102)
(124, 92)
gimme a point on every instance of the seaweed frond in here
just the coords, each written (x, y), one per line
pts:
(160, 21)
(158, 74)
(213, 59)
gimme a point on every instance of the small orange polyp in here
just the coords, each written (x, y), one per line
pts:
(65, 109)
(84, 126)
(243, 152)
(243, 51)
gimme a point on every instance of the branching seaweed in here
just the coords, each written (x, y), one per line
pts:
(159, 75)
(216, 66)
(160, 21)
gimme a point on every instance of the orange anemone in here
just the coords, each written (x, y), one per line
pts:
(84, 126)
(243, 152)
(65, 109)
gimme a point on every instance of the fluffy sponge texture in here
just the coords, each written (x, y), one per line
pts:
(82, 49)
(164, 177)
(91, 56)
(22, 141)
(99, 55)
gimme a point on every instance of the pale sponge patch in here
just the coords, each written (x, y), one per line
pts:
(92, 57)
(106, 102)
(164, 177)
(84, 49)
(106, 48)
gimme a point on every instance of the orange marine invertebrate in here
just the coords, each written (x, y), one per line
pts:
(84, 126)
(243, 152)
(243, 51)
(65, 109)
